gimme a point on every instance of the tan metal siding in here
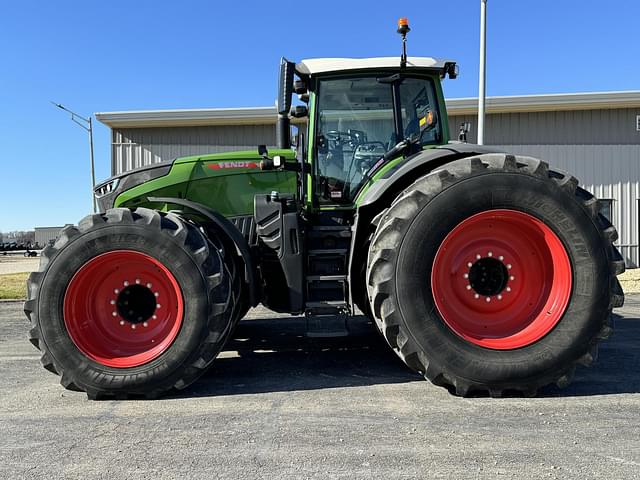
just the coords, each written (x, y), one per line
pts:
(579, 127)
(136, 147)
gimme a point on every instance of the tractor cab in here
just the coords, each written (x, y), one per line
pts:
(363, 118)
(362, 114)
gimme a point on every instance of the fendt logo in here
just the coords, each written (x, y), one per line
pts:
(225, 165)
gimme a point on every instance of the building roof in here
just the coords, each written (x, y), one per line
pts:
(456, 106)
(314, 66)
(188, 117)
(547, 102)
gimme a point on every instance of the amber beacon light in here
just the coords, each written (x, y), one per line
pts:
(403, 26)
(403, 29)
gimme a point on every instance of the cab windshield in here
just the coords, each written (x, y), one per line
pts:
(356, 127)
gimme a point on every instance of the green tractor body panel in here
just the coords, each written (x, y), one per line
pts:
(224, 182)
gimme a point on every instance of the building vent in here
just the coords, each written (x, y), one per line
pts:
(637, 123)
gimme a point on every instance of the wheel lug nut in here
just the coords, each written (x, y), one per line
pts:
(466, 275)
(115, 314)
(468, 287)
(116, 291)
(499, 297)
(133, 326)
(488, 299)
(512, 277)
(490, 254)
(478, 256)
(112, 302)
(477, 295)
(149, 285)
(145, 324)
(137, 281)
(508, 289)
(125, 283)
(469, 264)
(121, 322)
(509, 266)
(156, 294)
(154, 317)
(500, 258)
(158, 305)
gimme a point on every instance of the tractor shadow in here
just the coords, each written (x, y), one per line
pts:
(274, 355)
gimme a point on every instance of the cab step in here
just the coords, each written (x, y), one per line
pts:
(323, 326)
(326, 278)
(328, 251)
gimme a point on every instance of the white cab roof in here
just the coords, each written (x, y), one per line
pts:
(314, 66)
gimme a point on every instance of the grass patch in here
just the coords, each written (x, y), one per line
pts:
(13, 286)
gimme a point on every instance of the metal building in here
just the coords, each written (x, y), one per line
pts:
(146, 137)
(47, 235)
(595, 136)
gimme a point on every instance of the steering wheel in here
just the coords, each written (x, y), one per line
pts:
(336, 135)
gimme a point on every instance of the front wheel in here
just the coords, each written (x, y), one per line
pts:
(494, 274)
(130, 303)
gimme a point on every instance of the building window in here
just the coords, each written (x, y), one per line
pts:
(606, 208)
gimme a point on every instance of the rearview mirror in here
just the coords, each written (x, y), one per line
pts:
(285, 86)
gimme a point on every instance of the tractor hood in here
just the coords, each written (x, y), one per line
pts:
(224, 182)
(107, 191)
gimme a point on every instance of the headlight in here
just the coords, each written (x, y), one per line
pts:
(107, 192)
(102, 190)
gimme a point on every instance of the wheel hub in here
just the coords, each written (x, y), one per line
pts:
(488, 276)
(136, 304)
(501, 279)
(123, 308)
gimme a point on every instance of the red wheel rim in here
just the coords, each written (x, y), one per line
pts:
(501, 279)
(123, 308)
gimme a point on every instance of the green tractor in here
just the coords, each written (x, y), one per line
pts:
(485, 272)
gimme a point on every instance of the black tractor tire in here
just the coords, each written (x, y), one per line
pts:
(406, 244)
(234, 265)
(202, 287)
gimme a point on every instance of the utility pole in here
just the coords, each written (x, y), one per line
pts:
(87, 124)
(482, 90)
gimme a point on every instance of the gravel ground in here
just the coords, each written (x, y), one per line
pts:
(630, 280)
(18, 264)
(281, 406)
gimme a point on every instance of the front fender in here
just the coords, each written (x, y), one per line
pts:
(232, 233)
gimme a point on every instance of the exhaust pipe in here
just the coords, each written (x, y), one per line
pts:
(283, 132)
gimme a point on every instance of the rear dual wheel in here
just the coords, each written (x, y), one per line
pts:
(494, 275)
(130, 303)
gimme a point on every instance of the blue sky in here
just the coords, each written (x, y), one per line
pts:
(128, 55)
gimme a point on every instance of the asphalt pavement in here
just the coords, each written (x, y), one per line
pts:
(278, 405)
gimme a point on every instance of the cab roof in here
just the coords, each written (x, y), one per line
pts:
(315, 66)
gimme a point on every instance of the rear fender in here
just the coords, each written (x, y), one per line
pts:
(385, 189)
